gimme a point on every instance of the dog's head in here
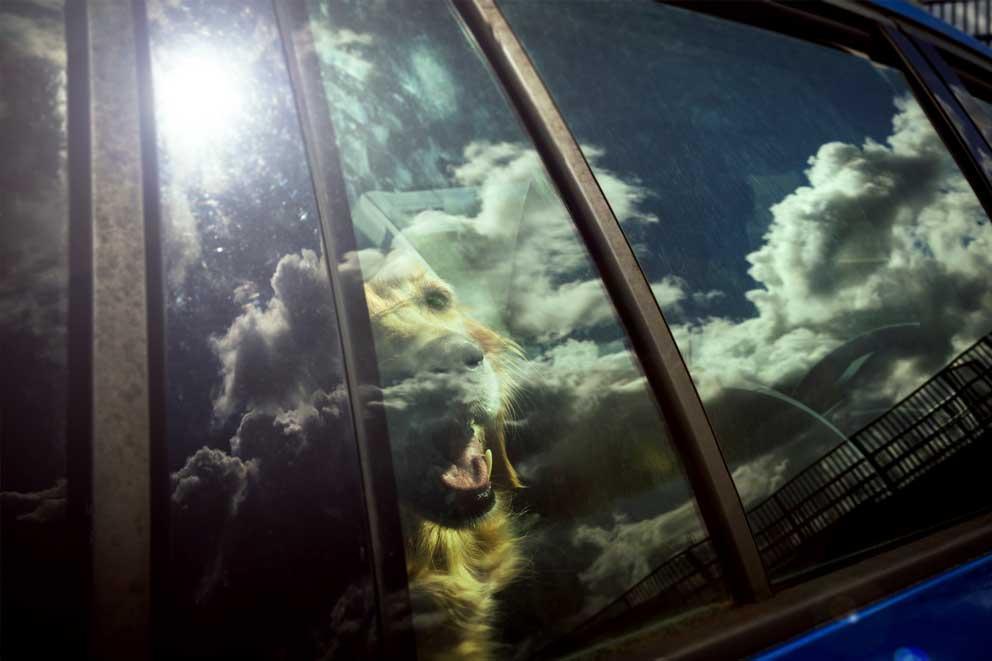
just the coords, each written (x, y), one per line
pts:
(448, 382)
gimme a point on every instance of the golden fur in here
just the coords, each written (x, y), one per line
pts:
(455, 572)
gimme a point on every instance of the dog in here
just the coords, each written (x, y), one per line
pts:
(448, 385)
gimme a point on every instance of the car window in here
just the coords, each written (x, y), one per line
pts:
(977, 100)
(821, 260)
(538, 488)
(983, 116)
(268, 554)
(36, 556)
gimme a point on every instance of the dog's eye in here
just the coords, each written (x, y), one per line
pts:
(437, 299)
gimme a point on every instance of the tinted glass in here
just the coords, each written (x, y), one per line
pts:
(537, 486)
(268, 555)
(977, 100)
(983, 116)
(35, 556)
(821, 260)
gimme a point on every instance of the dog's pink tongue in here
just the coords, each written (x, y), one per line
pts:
(470, 471)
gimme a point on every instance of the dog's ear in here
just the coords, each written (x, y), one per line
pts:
(504, 474)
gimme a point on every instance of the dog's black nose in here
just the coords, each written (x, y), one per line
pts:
(451, 354)
(471, 355)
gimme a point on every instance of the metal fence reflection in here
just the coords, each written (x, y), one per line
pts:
(940, 418)
(971, 16)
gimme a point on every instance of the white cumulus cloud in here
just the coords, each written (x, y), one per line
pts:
(882, 234)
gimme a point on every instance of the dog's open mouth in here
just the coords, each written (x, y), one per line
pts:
(465, 481)
(443, 466)
(455, 484)
(470, 470)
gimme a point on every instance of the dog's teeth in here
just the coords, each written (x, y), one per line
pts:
(489, 462)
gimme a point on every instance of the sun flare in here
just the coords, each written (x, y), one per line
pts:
(200, 99)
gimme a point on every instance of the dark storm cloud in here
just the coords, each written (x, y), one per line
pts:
(268, 532)
(36, 506)
(278, 511)
(277, 359)
(293, 447)
(276, 354)
(283, 455)
(211, 478)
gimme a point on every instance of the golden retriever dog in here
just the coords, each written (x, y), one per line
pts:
(448, 384)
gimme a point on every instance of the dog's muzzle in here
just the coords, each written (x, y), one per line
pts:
(438, 414)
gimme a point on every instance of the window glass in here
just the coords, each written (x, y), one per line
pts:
(977, 100)
(972, 86)
(269, 553)
(35, 556)
(821, 260)
(537, 485)
(983, 116)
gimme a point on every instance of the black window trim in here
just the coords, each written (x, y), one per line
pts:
(919, 48)
(79, 355)
(966, 66)
(922, 32)
(385, 535)
(159, 511)
(966, 81)
(953, 80)
(953, 124)
(824, 23)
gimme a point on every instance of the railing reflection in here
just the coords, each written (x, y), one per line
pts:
(939, 419)
(971, 16)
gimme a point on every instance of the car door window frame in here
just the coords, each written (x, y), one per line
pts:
(360, 364)
(112, 347)
(79, 462)
(955, 68)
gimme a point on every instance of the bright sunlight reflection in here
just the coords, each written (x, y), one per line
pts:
(200, 95)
